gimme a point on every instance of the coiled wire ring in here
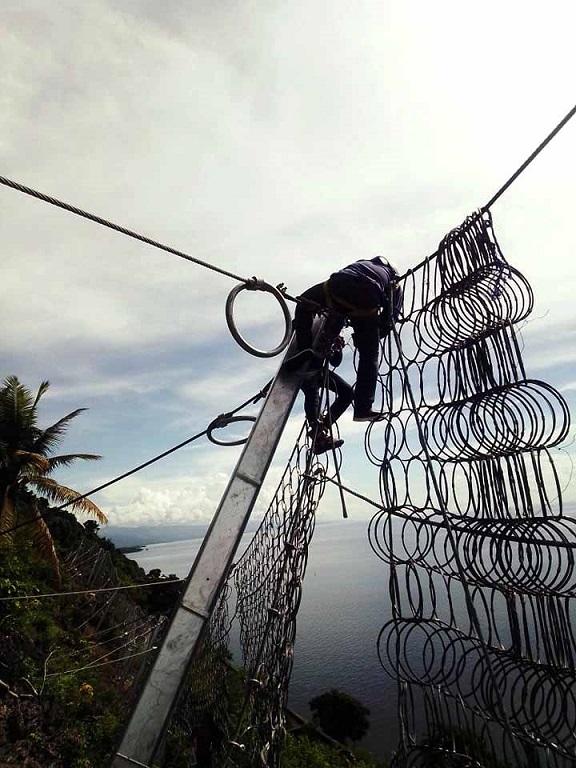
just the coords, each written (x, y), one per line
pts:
(220, 422)
(258, 285)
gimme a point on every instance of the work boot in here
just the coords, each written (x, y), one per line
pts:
(367, 415)
(325, 443)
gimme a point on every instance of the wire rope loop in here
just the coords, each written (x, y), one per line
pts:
(258, 285)
(222, 422)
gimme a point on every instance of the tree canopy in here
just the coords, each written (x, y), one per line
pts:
(340, 715)
(27, 464)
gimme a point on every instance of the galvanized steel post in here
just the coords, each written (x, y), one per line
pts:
(152, 711)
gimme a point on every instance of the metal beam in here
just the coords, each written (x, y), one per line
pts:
(152, 711)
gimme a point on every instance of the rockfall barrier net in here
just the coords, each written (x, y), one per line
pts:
(482, 637)
(482, 587)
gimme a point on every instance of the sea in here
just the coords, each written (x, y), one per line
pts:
(344, 606)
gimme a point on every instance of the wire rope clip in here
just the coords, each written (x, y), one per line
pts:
(316, 475)
(222, 421)
(258, 285)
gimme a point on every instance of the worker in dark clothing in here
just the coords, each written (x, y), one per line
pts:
(366, 294)
(320, 424)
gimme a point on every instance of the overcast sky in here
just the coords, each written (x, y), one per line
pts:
(278, 139)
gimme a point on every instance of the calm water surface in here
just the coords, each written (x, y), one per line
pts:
(343, 608)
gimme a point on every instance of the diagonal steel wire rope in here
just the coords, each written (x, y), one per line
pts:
(219, 421)
(19, 187)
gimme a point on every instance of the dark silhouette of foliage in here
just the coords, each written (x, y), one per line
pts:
(27, 463)
(91, 526)
(305, 751)
(340, 715)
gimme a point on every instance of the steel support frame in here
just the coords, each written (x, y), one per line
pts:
(151, 714)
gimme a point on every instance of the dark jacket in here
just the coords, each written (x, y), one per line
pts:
(379, 275)
(373, 270)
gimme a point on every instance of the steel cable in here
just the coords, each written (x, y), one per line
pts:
(220, 421)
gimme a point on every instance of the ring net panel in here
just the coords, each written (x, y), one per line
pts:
(482, 639)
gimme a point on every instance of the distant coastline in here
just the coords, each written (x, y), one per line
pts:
(135, 538)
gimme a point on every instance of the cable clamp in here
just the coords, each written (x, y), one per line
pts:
(255, 284)
(263, 392)
(220, 421)
(315, 476)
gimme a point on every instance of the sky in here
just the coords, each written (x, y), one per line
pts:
(282, 140)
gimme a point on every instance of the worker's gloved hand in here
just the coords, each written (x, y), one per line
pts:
(339, 343)
(335, 356)
(385, 322)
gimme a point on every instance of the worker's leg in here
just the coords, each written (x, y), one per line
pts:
(303, 320)
(364, 297)
(366, 339)
(344, 396)
(311, 389)
(304, 315)
(321, 428)
(317, 430)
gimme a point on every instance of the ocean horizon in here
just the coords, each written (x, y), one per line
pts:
(344, 606)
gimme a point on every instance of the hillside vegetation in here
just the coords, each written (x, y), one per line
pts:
(63, 694)
(71, 664)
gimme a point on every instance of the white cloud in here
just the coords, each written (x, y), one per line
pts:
(547, 344)
(222, 390)
(271, 139)
(194, 500)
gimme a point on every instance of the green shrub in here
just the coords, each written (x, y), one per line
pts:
(304, 752)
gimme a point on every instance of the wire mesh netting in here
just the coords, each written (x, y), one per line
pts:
(481, 641)
(230, 715)
(482, 588)
(118, 627)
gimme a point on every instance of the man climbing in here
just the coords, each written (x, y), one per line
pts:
(320, 423)
(365, 293)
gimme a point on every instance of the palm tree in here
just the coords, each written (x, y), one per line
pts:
(26, 465)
